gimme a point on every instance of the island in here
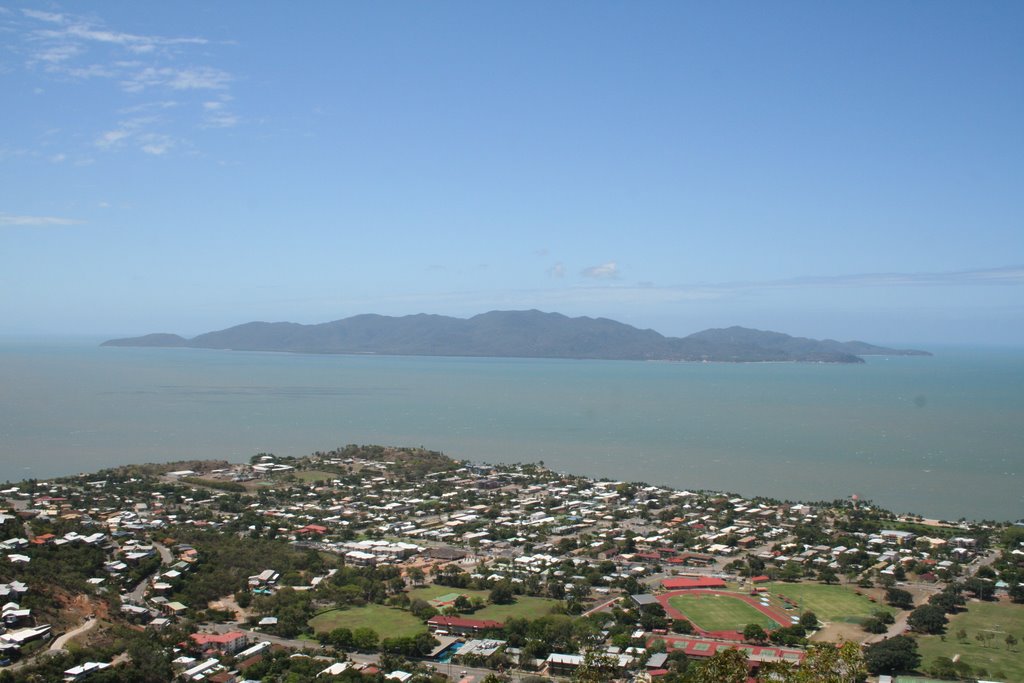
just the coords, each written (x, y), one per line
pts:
(370, 563)
(519, 334)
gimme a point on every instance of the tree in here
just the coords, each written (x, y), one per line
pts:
(597, 667)
(340, 637)
(928, 619)
(754, 633)
(682, 626)
(884, 616)
(809, 620)
(944, 668)
(415, 575)
(983, 589)
(897, 597)
(828, 575)
(791, 572)
(946, 600)
(502, 594)
(896, 654)
(725, 666)
(1011, 640)
(827, 663)
(364, 638)
(873, 625)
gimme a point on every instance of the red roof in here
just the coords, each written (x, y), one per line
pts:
(684, 582)
(761, 579)
(460, 622)
(702, 647)
(216, 638)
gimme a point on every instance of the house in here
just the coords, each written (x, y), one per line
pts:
(643, 599)
(77, 673)
(563, 664)
(462, 626)
(227, 643)
(688, 583)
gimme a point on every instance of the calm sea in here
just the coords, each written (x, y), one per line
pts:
(940, 436)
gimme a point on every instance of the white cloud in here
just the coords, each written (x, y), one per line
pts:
(90, 71)
(156, 144)
(74, 28)
(65, 46)
(196, 78)
(604, 271)
(58, 53)
(1005, 275)
(7, 219)
(220, 120)
(43, 16)
(216, 114)
(135, 131)
(112, 137)
(58, 158)
(557, 270)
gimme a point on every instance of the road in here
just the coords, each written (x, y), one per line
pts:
(454, 671)
(600, 606)
(59, 643)
(138, 593)
(165, 553)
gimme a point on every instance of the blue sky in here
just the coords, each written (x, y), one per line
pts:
(846, 170)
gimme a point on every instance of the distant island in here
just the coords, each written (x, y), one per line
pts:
(519, 334)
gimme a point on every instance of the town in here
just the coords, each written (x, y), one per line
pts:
(373, 563)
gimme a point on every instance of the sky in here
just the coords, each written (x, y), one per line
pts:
(852, 170)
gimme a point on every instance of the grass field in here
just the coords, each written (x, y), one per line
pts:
(388, 622)
(720, 612)
(998, 618)
(434, 591)
(524, 606)
(313, 475)
(829, 603)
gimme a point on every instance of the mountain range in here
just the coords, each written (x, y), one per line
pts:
(518, 334)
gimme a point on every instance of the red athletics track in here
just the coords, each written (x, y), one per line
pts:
(775, 614)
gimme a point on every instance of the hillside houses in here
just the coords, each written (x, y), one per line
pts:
(547, 535)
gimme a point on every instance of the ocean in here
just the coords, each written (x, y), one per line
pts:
(940, 436)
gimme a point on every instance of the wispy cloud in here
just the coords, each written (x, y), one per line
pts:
(68, 27)
(156, 144)
(603, 271)
(7, 219)
(217, 115)
(135, 132)
(194, 78)
(557, 270)
(175, 69)
(1008, 275)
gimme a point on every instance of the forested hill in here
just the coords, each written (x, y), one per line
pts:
(517, 334)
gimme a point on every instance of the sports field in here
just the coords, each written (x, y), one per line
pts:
(719, 612)
(434, 591)
(524, 605)
(829, 603)
(388, 622)
(993, 619)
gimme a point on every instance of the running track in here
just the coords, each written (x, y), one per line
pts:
(777, 615)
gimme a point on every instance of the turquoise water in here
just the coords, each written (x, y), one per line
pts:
(940, 436)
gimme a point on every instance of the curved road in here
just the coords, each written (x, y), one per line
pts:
(60, 642)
